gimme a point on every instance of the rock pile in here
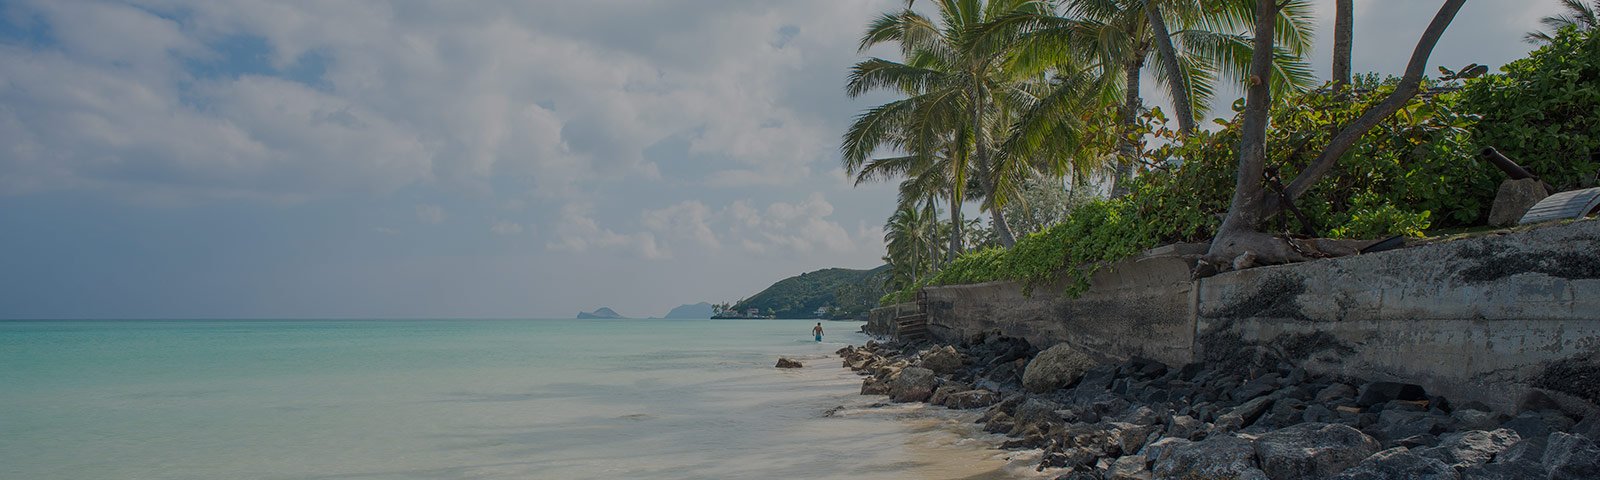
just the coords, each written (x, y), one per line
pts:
(1262, 419)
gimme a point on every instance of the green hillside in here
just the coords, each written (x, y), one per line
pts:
(849, 292)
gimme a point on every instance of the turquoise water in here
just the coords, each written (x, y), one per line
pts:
(443, 399)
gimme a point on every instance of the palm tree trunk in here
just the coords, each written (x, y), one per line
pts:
(931, 218)
(1182, 106)
(1126, 149)
(955, 227)
(1343, 35)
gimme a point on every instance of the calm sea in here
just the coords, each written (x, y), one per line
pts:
(458, 399)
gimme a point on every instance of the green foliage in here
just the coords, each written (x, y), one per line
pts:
(1544, 111)
(1370, 218)
(1411, 165)
(849, 292)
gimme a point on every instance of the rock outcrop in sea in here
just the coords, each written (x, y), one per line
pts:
(1255, 417)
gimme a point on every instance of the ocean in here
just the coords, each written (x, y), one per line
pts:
(461, 399)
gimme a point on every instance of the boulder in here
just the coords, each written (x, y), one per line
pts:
(1035, 413)
(1396, 464)
(874, 386)
(1185, 427)
(1142, 416)
(1473, 419)
(1218, 456)
(1520, 461)
(1129, 438)
(972, 399)
(1382, 392)
(1571, 457)
(1055, 368)
(1131, 467)
(1153, 450)
(1337, 393)
(943, 393)
(1464, 450)
(914, 384)
(1312, 450)
(1244, 414)
(1395, 423)
(787, 363)
(1514, 199)
(942, 360)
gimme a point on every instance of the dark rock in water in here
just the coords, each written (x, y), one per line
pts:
(1396, 464)
(1070, 458)
(942, 360)
(1465, 450)
(1571, 457)
(999, 423)
(1055, 368)
(1218, 456)
(1381, 392)
(972, 399)
(914, 384)
(1312, 450)
(874, 386)
(787, 363)
(943, 393)
(1036, 413)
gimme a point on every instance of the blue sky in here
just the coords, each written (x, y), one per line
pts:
(184, 158)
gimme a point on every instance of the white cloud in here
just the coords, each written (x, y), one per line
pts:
(431, 214)
(552, 96)
(506, 227)
(578, 233)
(689, 219)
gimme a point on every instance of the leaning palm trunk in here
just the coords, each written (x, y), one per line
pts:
(1182, 106)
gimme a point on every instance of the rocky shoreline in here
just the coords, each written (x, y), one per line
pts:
(1250, 416)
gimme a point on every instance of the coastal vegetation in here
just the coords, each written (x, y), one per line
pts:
(846, 293)
(1368, 156)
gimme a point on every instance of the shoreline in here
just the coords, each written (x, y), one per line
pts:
(1251, 416)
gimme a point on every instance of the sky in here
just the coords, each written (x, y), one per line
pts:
(465, 159)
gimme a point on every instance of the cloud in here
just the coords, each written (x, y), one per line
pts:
(689, 219)
(168, 96)
(431, 214)
(506, 227)
(576, 232)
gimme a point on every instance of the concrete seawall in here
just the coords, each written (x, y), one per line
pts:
(1482, 319)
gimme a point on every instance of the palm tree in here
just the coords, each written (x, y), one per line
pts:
(1115, 39)
(911, 246)
(959, 96)
(1578, 16)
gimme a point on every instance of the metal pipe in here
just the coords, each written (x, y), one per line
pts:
(1516, 172)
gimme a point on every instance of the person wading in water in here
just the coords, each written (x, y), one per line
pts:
(817, 330)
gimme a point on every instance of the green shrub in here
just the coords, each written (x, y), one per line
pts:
(1544, 110)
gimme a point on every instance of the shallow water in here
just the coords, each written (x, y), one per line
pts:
(441, 399)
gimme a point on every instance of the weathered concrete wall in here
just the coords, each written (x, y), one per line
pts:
(1138, 307)
(1478, 319)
